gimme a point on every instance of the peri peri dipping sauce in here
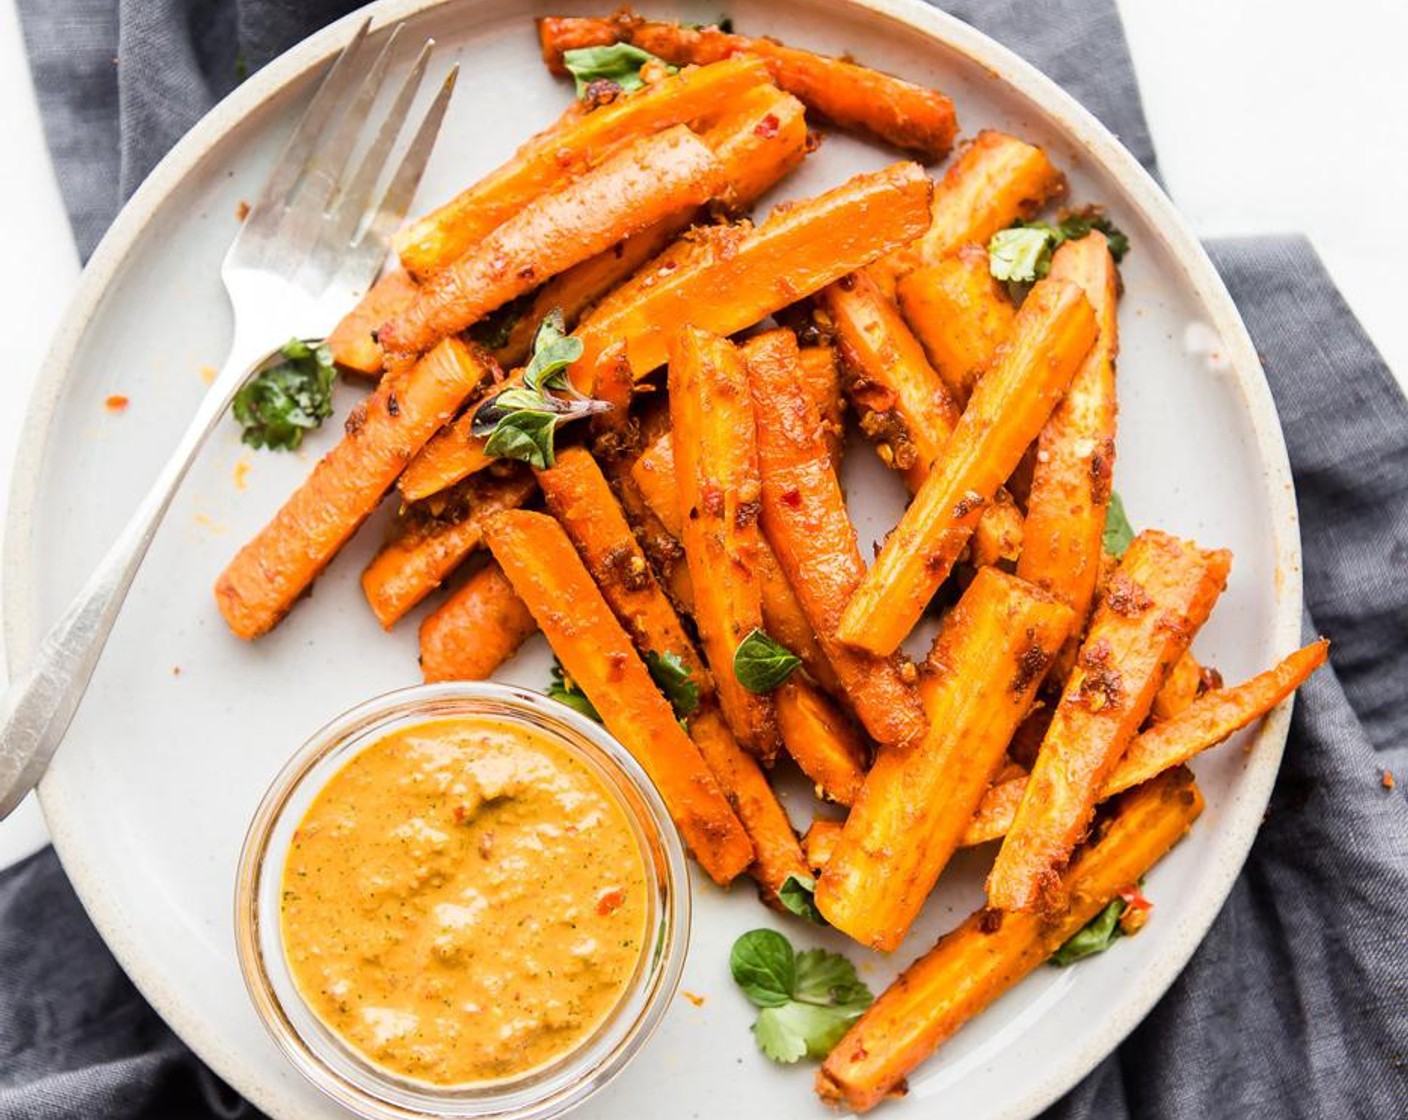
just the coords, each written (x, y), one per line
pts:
(464, 901)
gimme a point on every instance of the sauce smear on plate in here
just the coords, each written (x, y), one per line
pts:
(464, 901)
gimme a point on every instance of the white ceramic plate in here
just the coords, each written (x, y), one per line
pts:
(184, 725)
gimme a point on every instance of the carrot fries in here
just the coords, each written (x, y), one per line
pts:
(475, 630)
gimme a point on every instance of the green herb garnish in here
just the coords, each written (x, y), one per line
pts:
(761, 664)
(1118, 531)
(798, 895)
(1095, 936)
(279, 404)
(521, 422)
(1021, 254)
(564, 690)
(672, 675)
(807, 999)
(619, 64)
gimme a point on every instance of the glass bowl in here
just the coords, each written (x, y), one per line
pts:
(342, 1072)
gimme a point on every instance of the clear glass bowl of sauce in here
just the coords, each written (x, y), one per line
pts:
(461, 900)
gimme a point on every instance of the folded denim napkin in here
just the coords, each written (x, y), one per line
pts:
(1295, 1005)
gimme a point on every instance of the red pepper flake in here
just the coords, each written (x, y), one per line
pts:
(693, 997)
(609, 901)
(767, 127)
(1134, 898)
(792, 498)
(116, 403)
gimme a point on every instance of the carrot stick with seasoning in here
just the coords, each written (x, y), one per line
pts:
(853, 97)
(272, 571)
(988, 954)
(475, 630)
(597, 653)
(805, 521)
(1158, 598)
(821, 741)
(1054, 331)
(353, 341)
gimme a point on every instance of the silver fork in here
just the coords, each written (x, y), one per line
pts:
(313, 240)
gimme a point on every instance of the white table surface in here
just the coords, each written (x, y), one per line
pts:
(1269, 116)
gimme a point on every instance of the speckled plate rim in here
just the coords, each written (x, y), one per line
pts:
(1243, 815)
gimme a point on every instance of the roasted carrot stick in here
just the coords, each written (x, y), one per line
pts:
(757, 143)
(805, 520)
(1075, 457)
(578, 143)
(995, 180)
(1158, 598)
(904, 406)
(821, 377)
(989, 658)
(580, 498)
(475, 630)
(820, 841)
(777, 852)
(1204, 723)
(1184, 684)
(597, 653)
(654, 178)
(721, 279)
(822, 742)
(1052, 334)
(853, 97)
(959, 314)
(269, 574)
(662, 546)
(988, 954)
(716, 457)
(352, 342)
(430, 543)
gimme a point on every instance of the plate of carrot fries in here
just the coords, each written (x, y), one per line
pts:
(816, 397)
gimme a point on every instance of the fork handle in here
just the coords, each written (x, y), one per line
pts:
(40, 703)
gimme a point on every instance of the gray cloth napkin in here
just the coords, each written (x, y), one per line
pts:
(1296, 1005)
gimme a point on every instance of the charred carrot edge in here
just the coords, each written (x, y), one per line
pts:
(272, 571)
(662, 547)
(597, 653)
(655, 178)
(778, 853)
(1075, 459)
(822, 742)
(352, 342)
(996, 180)
(1050, 338)
(851, 96)
(428, 547)
(819, 842)
(821, 377)
(905, 408)
(716, 457)
(988, 954)
(1204, 723)
(475, 630)
(805, 520)
(1184, 684)
(1157, 600)
(758, 143)
(565, 151)
(989, 658)
(959, 314)
(581, 499)
(721, 279)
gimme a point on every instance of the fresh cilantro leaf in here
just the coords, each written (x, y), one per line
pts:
(808, 999)
(669, 671)
(761, 664)
(1095, 936)
(553, 351)
(279, 404)
(797, 894)
(1118, 531)
(620, 63)
(1021, 254)
(564, 690)
(1076, 225)
(764, 966)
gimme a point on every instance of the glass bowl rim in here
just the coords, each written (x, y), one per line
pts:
(575, 1076)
